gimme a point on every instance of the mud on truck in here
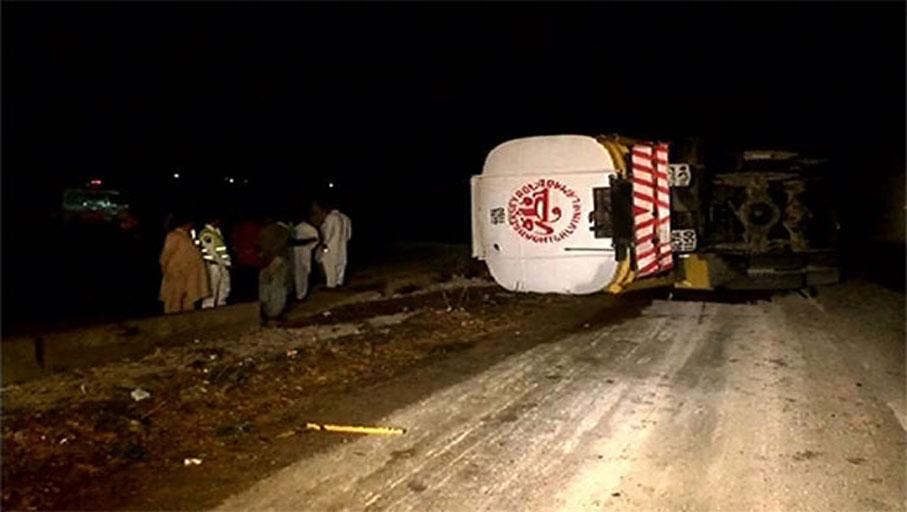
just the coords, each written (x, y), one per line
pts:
(577, 214)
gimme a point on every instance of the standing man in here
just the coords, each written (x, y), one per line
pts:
(303, 259)
(336, 232)
(214, 251)
(246, 237)
(274, 278)
(185, 279)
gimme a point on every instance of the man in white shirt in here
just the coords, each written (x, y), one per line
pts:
(336, 231)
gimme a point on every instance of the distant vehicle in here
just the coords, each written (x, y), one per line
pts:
(94, 204)
(577, 215)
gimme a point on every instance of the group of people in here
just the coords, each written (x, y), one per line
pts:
(197, 265)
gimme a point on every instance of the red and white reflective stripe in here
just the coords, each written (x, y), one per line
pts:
(651, 208)
(643, 206)
(663, 209)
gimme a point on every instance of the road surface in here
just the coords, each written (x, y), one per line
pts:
(790, 403)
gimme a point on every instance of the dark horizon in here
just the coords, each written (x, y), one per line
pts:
(359, 90)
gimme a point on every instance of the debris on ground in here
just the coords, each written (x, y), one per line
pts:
(139, 394)
(192, 461)
(356, 429)
(207, 393)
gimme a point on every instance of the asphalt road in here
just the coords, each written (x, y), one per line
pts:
(791, 403)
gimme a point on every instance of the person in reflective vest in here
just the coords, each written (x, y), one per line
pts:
(210, 242)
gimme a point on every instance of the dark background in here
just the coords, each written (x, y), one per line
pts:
(398, 104)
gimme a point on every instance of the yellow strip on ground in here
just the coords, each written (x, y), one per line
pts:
(355, 429)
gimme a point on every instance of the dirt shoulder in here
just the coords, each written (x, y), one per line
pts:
(79, 441)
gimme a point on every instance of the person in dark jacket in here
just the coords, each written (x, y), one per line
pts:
(245, 238)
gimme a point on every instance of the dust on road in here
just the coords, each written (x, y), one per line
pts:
(787, 404)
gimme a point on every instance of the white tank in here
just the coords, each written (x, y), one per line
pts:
(531, 211)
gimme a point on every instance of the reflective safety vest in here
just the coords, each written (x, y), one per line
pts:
(210, 242)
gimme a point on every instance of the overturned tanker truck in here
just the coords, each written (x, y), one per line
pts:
(577, 215)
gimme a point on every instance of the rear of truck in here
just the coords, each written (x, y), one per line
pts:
(763, 220)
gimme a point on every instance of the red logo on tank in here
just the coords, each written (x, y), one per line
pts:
(544, 211)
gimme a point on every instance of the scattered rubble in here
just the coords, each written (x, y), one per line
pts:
(216, 400)
(139, 394)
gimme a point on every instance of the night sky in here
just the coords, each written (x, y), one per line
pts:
(400, 103)
(386, 96)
